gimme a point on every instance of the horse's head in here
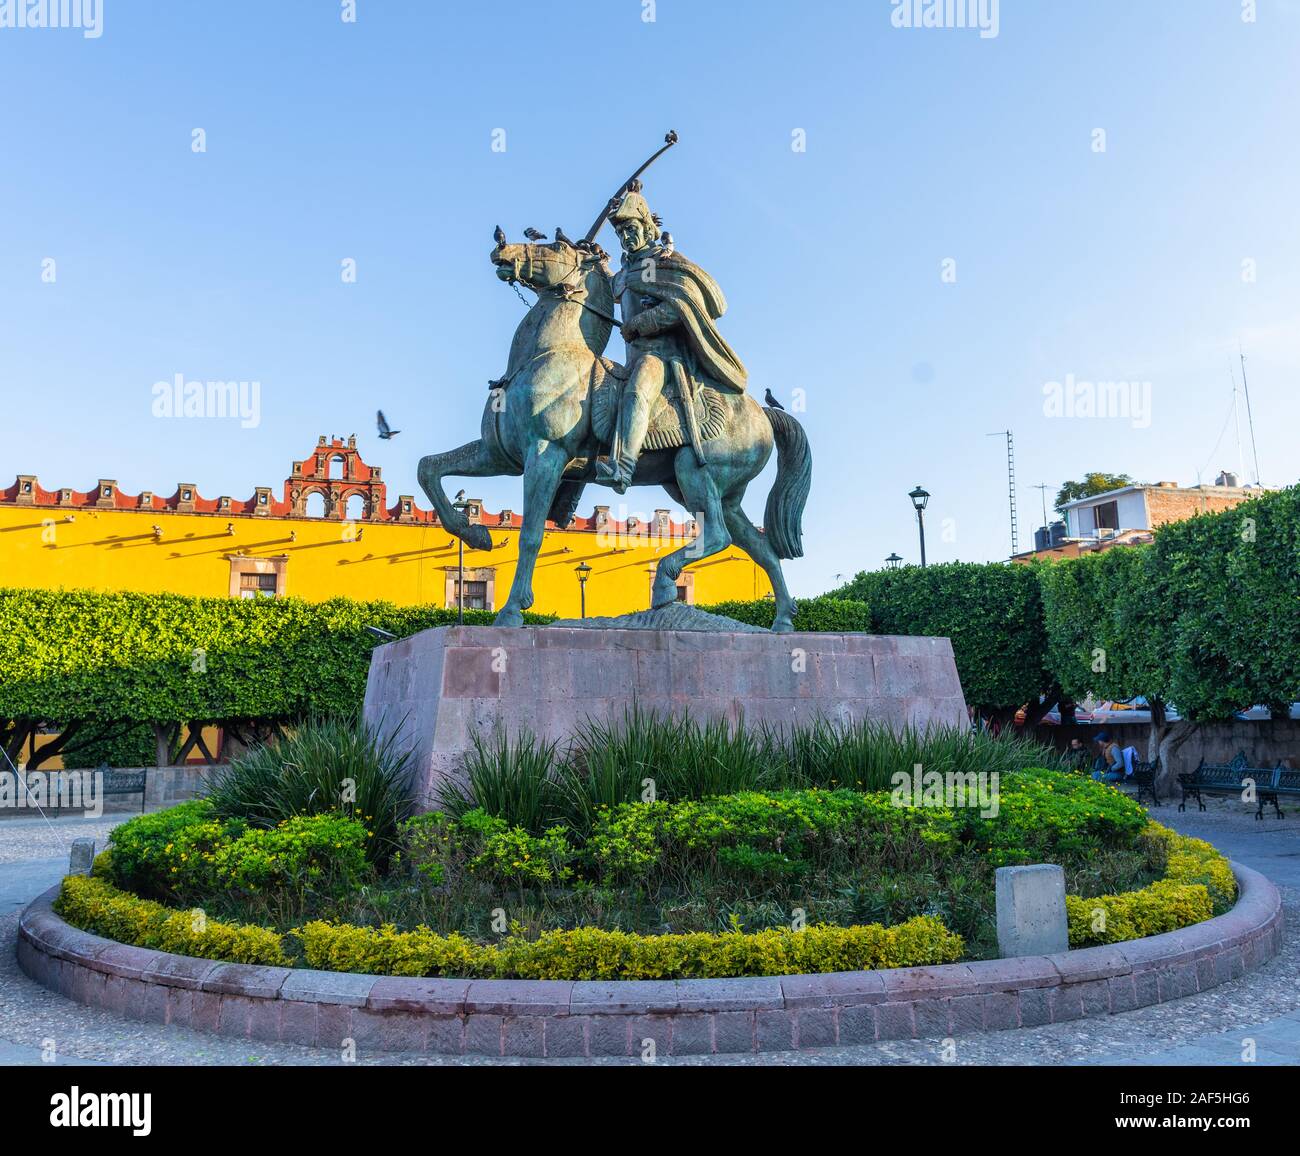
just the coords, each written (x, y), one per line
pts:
(562, 274)
(548, 266)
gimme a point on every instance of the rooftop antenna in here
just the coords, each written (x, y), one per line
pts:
(1042, 489)
(1011, 485)
(1236, 419)
(1250, 419)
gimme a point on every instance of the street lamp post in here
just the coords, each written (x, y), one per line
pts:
(461, 506)
(894, 561)
(584, 572)
(920, 499)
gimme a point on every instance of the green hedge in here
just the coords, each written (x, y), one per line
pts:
(584, 953)
(992, 612)
(1040, 816)
(1206, 617)
(95, 905)
(1198, 884)
(187, 854)
(824, 614)
(82, 655)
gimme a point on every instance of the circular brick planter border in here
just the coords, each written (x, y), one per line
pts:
(557, 1018)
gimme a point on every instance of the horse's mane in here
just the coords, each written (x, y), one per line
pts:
(600, 296)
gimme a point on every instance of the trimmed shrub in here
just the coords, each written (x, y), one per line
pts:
(826, 614)
(94, 905)
(591, 954)
(1198, 884)
(325, 766)
(119, 657)
(1164, 906)
(753, 833)
(1044, 815)
(189, 855)
(586, 953)
(992, 612)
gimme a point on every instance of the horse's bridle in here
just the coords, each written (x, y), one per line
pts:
(562, 290)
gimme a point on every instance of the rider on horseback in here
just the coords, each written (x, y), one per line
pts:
(669, 306)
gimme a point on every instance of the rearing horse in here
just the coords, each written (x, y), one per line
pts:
(538, 420)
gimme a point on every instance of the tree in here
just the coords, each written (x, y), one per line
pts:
(1092, 484)
(1204, 618)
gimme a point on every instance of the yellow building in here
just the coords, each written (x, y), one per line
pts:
(332, 534)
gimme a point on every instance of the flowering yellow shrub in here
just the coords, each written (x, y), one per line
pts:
(1198, 884)
(96, 906)
(586, 953)
(592, 953)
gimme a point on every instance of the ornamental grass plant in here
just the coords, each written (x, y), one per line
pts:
(647, 755)
(322, 766)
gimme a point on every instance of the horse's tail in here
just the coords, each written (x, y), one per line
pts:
(783, 517)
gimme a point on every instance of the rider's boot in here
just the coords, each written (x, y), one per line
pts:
(645, 385)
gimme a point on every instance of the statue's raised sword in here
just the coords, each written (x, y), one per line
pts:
(669, 140)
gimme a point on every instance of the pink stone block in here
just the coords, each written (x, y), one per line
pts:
(446, 685)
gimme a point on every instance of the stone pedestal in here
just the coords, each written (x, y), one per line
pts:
(445, 684)
(1032, 918)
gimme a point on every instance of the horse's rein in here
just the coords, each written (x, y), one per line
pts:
(564, 292)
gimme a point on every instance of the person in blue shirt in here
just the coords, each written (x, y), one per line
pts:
(1110, 762)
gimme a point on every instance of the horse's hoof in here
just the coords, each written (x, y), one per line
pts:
(659, 598)
(508, 618)
(477, 538)
(783, 626)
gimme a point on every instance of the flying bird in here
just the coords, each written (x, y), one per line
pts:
(499, 235)
(384, 431)
(771, 401)
(533, 235)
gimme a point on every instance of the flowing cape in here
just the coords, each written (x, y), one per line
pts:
(699, 301)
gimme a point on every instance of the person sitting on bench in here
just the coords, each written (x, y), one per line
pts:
(1117, 764)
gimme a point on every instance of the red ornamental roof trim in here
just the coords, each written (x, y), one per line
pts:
(311, 476)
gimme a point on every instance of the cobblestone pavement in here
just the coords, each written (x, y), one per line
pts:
(1211, 1028)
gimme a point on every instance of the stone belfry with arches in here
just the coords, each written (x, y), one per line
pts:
(337, 474)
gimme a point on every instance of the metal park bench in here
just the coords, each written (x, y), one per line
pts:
(1235, 778)
(123, 782)
(113, 782)
(1144, 779)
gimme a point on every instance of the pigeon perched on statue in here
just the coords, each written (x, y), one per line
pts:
(533, 235)
(771, 402)
(499, 236)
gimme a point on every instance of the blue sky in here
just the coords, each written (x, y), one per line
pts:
(372, 141)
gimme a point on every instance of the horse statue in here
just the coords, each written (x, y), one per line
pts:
(550, 418)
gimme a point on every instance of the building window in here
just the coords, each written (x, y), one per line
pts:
(682, 593)
(257, 585)
(480, 588)
(476, 594)
(1106, 516)
(257, 577)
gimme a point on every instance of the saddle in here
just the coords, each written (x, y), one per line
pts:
(668, 427)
